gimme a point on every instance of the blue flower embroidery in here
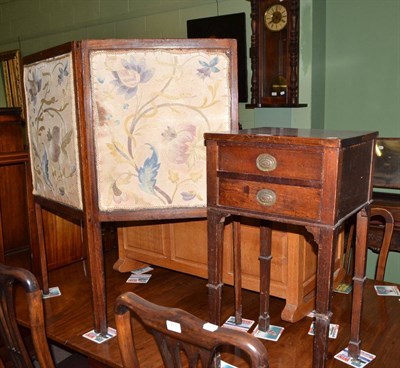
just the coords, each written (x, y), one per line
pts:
(188, 196)
(35, 86)
(44, 163)
(128, 79)
(63, 72)
(208, 68)
(147, 174)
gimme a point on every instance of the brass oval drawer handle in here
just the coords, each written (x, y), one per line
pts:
(266, 162)
(266, 197)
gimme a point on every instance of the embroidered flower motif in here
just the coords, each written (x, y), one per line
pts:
(52, 119)
(208, 68)
(169, 134)
(63, 72)
(128, 79)
(35, 86)
(147, 173)
(53, 137)
(180, 143)
(118, 195)
(188, 196)
(44, 164)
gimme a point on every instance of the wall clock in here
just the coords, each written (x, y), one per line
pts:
(274, 53)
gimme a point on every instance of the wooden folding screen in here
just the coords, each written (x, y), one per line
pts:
(116, 133)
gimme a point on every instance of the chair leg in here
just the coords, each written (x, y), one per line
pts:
(359, 278)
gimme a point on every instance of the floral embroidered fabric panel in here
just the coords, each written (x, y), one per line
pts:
(52, 130)
(150, 111)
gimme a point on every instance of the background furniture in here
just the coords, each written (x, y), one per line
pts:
(180, 335)
(17, 228)
(390, 202)
(10, 79)
(182, 246)
(65, 236)
(387, 176)
(65, 239)
(313, 178)
(116, 133)
(385, 226)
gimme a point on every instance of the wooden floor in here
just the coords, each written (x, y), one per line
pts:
(69, 316)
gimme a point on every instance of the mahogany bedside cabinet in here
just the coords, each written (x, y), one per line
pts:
(313, 178)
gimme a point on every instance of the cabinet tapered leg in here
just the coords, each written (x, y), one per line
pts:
(326, 238)
(265, 274)
(360, 256)
(237, 271)
(215, 235)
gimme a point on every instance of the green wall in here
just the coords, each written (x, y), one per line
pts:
(349, 53)
(362, 84)
(363, 65)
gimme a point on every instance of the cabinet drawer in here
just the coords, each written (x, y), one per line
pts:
(273, 161)
(291, 201)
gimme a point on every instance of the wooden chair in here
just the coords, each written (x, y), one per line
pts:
(386, 220)
(9, 276)
(177, 331)
(10, 333)
(115, 132)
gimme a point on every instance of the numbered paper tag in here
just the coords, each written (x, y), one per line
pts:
(210, 327)
(174, 326)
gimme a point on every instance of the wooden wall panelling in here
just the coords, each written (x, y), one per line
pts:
(65, 238)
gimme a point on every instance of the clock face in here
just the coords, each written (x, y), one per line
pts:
(275, 17)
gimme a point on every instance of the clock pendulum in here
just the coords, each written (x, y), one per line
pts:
(279, 84)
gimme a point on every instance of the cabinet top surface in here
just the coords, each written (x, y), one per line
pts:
(319, 137)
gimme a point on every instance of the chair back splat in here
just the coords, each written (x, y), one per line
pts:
(177, 331)
(388, 220)
(385, 219)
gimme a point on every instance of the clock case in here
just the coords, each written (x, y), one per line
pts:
(275, 57)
